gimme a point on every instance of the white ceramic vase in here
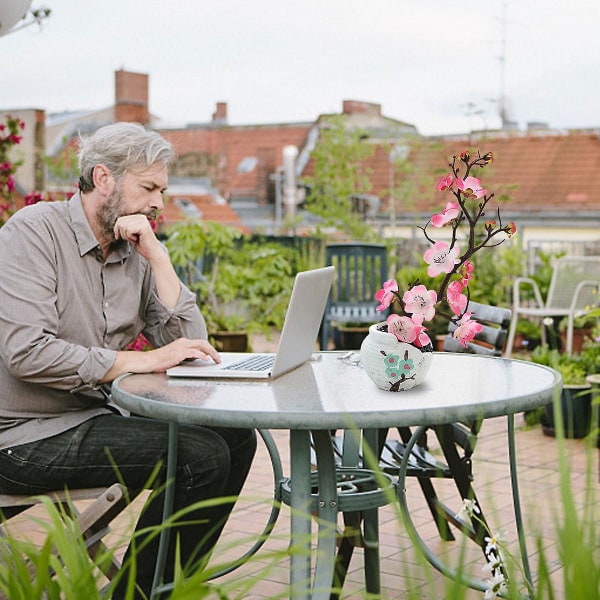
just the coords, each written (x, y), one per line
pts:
(393, 365)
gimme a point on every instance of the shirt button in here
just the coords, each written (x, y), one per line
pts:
(106, 305)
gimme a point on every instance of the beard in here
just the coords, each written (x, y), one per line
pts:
(112, 210)
(109, 212)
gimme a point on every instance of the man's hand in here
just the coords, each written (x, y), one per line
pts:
(137, 230)
(161, 359)
(182, 349)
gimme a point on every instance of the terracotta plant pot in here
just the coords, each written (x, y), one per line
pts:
(230, 341)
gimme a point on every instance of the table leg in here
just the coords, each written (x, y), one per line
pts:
(512, 458)
(300, 502)
(328, 510)
(163, 543)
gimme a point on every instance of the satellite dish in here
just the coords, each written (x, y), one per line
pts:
(11, 12)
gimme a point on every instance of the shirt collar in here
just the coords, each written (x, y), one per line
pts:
(86, 240)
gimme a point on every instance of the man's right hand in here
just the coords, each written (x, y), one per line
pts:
(161, 359)
(182, 349)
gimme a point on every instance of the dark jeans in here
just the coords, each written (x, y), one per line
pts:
(212, 463)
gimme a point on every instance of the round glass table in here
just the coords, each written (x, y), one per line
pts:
(332, 392)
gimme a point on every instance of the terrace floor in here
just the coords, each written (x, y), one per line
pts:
(402, 568)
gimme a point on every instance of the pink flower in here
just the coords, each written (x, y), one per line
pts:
(466, 272)
(420, 301)
(140, 344)
(385, 296)
(512, 229)
(448, 214)
(404, 328)
(471, 187)
(466, 329)
(33, 198)
(445, 183)
(422, 338)
(456, 299)
(441, 258)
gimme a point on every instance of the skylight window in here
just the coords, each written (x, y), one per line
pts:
(247, 164)
(188, 207)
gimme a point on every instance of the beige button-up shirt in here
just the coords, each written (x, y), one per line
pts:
(64, 314)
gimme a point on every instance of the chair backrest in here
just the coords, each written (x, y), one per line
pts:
(568, 273)
(361, 270)
(490, 340)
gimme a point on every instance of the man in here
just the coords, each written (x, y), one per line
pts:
(79, 281)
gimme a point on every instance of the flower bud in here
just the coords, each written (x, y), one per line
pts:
(488, 158)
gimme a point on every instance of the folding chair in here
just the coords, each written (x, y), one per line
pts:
(573, 292)
(93, 521)
(361, 270)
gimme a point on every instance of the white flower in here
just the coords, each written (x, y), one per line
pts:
(495, 586)
(493, 543)
(468, 509)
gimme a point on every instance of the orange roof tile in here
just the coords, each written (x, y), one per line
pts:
(208, 210)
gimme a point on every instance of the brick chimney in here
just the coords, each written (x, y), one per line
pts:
(131, 97)
(219, 117)
(357, 107)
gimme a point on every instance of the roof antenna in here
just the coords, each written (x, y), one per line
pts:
(502, 101)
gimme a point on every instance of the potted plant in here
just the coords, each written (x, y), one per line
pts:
(583, 327)
(528, 336)
(576, 394)
(397, 353)
(349, 336)
(242, 287)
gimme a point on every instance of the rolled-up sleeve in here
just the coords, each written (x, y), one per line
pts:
(96, 365)
(164, 324)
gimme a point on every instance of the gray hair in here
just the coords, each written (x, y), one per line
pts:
(121, 147)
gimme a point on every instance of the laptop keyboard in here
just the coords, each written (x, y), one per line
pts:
(253, 363)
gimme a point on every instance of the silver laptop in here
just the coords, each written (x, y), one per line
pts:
(296, 344)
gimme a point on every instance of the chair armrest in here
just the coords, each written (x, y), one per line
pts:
(580, 287)
(519, 281)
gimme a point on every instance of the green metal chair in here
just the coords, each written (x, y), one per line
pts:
(361, 269)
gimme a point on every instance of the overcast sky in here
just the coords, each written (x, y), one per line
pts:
(440, 65)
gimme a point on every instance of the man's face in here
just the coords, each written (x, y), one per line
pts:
(136, 192)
